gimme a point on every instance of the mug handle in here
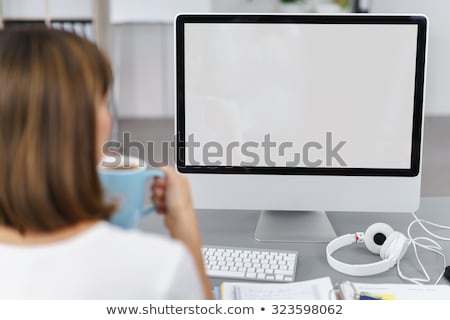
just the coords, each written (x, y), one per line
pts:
(152, 173)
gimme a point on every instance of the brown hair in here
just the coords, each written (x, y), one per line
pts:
(50, 84)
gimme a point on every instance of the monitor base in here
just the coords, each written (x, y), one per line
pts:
(294, 226)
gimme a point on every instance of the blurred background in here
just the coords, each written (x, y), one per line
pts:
(138, 37)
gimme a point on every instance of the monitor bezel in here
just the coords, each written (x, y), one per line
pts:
(419, 20)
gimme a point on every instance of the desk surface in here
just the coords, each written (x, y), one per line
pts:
(236, 229)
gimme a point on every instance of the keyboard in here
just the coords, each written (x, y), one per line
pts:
(250, 263)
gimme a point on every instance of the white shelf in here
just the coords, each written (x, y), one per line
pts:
(35, 10)
(79, 16)
(24, 9)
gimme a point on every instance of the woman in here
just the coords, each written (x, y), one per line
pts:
(54, 241)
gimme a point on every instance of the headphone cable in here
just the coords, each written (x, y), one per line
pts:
(432, 245)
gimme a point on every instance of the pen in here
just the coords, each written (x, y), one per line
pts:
(367, 297)
(375, 296)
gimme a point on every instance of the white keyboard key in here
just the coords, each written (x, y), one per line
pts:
(251, 270)
(269, 271)
(288, 279)
(283, 272)
(279, 277)
(270, 278)
(226, 274)
(233, 269)
(261, 276)
(250, 275)
(260, 270)
(283, 267)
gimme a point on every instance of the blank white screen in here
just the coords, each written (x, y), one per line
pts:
(299, 81)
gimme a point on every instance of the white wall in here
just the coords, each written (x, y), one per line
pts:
(438, 76)
(244, 5)
(155, 10)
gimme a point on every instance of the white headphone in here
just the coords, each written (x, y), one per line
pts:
(380, 239)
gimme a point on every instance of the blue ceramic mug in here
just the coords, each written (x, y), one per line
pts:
(124, 180)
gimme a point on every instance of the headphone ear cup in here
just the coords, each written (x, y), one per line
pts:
(376, 235)
(394, 247)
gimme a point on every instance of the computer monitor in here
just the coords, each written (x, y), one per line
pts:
(296, 115)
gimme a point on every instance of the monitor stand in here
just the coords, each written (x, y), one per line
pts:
(294, 226)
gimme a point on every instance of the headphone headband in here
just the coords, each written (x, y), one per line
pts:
(355, 269)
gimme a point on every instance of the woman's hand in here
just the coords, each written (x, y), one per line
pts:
(172, 198)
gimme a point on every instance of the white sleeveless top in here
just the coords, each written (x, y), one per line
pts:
(103, 262)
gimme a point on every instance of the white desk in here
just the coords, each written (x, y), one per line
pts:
(235, 228)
